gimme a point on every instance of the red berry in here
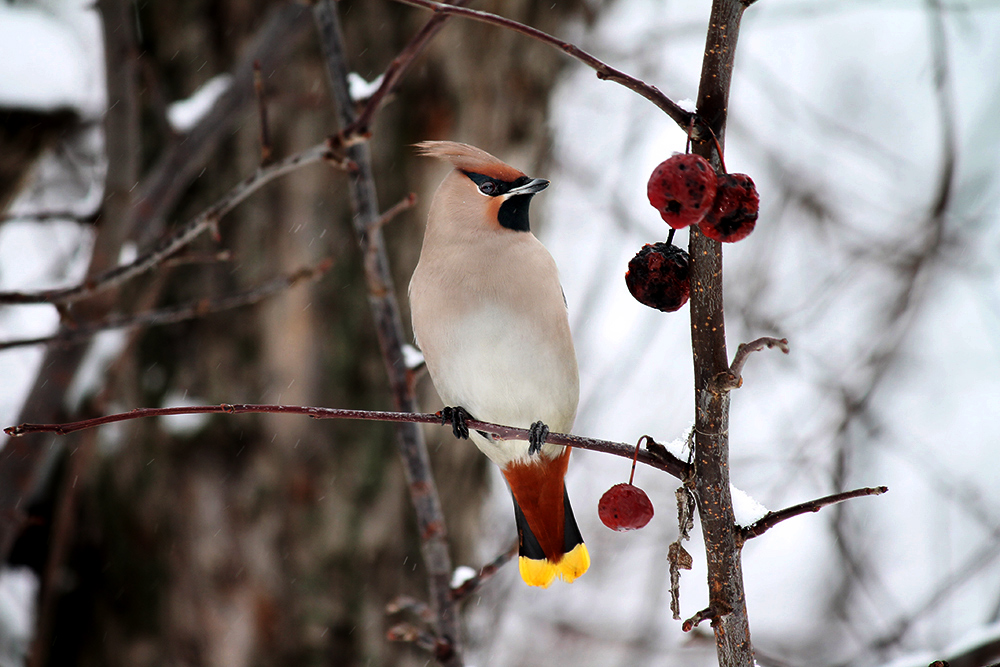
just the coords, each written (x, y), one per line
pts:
(682, 189)
(734, 214)
(625, 507)
(658, 277)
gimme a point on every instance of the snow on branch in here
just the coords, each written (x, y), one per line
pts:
(771, 519)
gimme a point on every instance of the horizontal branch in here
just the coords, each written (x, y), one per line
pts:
(771, 519)
(662, 461)
(604, 71)
(205, 221)
(172, 315)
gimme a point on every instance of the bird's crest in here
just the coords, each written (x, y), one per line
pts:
(469, 159)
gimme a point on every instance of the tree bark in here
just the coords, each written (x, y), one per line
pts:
(727, 600)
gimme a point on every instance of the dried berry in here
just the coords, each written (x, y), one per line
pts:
(658, 277)
(734, 213)
(625, 507)
(682, 188)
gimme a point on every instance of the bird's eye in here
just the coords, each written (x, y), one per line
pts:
(488, 187)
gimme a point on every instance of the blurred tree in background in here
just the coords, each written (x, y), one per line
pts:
(259, 540)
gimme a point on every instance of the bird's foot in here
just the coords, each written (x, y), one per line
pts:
(537, 434)
(456, 417)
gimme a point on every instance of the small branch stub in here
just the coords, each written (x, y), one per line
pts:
(707, 614)
(733, 378)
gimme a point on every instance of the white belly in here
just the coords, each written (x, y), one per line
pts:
(511, 375)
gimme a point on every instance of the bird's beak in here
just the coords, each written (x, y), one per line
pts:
(529, 188)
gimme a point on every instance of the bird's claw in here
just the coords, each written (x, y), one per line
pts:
(456, 417)
(537, 434)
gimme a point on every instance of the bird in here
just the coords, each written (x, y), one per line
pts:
(490, 317)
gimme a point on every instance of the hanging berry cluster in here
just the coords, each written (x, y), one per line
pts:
(686, 191)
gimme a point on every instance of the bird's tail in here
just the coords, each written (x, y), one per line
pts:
(567, 563)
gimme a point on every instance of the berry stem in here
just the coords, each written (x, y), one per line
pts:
(718, 149)
(636, 457)
(670, 236)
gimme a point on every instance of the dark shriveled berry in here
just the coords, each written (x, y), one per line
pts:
(625, 507)
(658, 277)
(682, 188)
(734, 213)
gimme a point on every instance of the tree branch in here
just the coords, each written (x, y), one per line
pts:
(161, 316)
(771, 519)
(389, 327)
(359, 127)
(205, 221)
(282, 31)
(472, 584)
(662, 460)
(604, 71)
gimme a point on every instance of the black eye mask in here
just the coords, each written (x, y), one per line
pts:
(494, 187)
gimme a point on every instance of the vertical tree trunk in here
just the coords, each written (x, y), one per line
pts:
(727, 600)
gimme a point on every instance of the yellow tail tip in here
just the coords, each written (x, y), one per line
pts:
(574, 563)
(542, 572)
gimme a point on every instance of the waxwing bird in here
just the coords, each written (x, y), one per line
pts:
(490, 317)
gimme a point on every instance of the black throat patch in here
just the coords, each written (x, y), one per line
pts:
(513, 213)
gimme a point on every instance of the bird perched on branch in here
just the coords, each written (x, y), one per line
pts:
(490, 317)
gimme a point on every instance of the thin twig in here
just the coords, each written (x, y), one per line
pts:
(771, 519)
(668, 462)
(198, 258)
(265, 134)
(411, 604)
(411, 634)
(207, 220)
(394, 72)
(705, 614)
(161, 316)
(733, 378)
(282, 30)
(472, 584)
(604, 71)
(404, 204)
